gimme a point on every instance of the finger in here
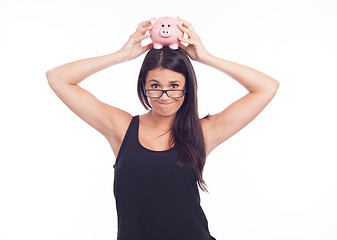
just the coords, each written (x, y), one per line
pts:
(182, 46)
(144, 36)
(185, 40)
(138, 37)
(144, 24)
(186, 30)
(139, 34)
(147, 47)
(188, 25)
(145, 29)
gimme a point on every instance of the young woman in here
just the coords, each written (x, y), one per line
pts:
(160, 155)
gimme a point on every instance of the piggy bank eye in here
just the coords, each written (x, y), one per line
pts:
(162, 25)
(169, 25)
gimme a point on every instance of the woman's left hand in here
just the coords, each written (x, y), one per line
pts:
(195, 49)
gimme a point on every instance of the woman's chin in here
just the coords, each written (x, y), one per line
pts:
(165, 112)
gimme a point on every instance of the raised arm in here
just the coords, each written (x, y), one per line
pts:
(110, 121)
(262, 88)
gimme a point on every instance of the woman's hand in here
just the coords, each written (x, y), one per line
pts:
(133, 47)
(195, 49)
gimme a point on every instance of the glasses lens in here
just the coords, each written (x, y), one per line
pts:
(153, 93)
(170, 93)
(175, 93)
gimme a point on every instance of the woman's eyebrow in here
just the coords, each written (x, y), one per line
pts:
(173, 81)
(154, 81)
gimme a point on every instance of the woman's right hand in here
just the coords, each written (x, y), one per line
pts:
(133, 47)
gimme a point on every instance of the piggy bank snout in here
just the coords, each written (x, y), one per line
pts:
(165, 32)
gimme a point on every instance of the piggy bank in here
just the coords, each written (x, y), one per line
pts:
(165, 32)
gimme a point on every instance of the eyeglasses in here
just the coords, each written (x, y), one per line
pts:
(169, 93)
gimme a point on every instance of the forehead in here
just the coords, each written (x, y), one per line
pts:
(164, 75)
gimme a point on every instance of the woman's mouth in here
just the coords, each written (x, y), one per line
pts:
(165, 103)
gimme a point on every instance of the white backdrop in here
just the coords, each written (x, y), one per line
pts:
(275, 179)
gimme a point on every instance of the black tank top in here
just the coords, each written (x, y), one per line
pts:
(155, 200)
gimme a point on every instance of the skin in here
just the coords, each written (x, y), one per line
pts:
(154, 125)
(165, 79)
(113, 122)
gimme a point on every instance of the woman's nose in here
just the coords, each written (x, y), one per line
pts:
(164, 96)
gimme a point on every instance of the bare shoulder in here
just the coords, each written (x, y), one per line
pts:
(120, 122)
(110, 121)
(206, 126)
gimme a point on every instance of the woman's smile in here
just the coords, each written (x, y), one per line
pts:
(163, 89)
(165, 103)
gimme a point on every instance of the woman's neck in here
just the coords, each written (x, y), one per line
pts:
(161, 122)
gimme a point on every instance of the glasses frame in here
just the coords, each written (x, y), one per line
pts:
(164, 91)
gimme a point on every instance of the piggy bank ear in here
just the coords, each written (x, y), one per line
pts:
(180, 20)
(153, 20)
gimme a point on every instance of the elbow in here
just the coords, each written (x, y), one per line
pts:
(50, 75)
(49, 79)
(271, 89)
(277, 85)
(274, 88)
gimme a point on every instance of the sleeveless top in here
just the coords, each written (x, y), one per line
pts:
(155, 200)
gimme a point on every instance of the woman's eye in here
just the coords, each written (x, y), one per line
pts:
(155, 85)
(175, 85)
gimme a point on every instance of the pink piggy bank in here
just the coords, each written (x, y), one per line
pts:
(165, 32)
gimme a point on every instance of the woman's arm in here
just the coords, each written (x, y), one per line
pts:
(253, 80)
(64, 81)
(75, 72)
(262, 89)
(110, 121)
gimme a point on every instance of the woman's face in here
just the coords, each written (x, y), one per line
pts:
(165, 79)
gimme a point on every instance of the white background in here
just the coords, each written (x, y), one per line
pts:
(275, 179)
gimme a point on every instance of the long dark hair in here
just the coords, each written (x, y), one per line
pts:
(186, 131)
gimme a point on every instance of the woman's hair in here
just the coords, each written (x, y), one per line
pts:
(186, 131)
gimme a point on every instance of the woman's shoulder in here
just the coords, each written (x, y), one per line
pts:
(121, 121)
(206, 123)
(119, 125)
(206, 126)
